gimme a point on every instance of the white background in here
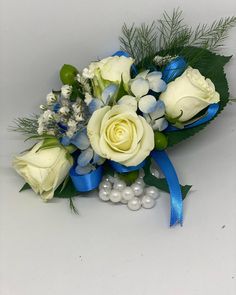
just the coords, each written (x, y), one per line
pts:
(44, 249)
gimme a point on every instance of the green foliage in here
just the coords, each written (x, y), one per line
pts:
(26, 186)
(129, 177)
(210, 65)
(161, 183)
(27, 126)
(140, 42)
(66, 190)
(170, 32)
(121, 91)
(73, 207)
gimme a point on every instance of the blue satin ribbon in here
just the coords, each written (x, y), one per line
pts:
(87, 182)
(211, 112)
(124, 169)
(174, 69)
(176, 201)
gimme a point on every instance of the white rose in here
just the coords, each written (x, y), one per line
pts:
(44, 170)
(190, 93)
(119, 134)
(112, 68)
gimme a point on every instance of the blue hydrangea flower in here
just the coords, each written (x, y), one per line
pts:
(140, 87)
(107, 94)
(156, 118)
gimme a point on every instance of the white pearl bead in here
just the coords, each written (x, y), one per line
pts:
(123, 201)
(127, 193)
(105, 178)
(152, 192)
(111, 178)
(140, 181)
(137, 189)
(104, 195)
(119, 185)
(148, 202)
(115, 196)
(106, 185)
(155, 172)
(134, 204)
(141, 173)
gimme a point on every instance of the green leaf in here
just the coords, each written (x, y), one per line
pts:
(76, 91)
(129, 177)
(210, 65)
(66, 190)
(121, 91)
(161, 183)
(73, 207)
(25, 187)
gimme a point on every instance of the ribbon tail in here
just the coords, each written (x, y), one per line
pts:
(163, 161)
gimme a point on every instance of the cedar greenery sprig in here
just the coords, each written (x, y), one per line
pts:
(170, 32)
(27, 126)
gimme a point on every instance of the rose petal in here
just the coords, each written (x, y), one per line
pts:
(94, 126)
(129, 101)
(139, 87)
(146, 145)
(147, 104)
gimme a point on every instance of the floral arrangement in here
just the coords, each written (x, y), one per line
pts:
(109, 125)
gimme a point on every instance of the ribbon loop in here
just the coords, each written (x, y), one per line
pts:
(163, 161)
(211, 112)
(87, 182)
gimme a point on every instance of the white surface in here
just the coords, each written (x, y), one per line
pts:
(44, 249)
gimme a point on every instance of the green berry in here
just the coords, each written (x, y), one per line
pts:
(161, 141)
(129, 177)
(68, 74)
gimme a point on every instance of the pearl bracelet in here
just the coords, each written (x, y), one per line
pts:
(135, 196)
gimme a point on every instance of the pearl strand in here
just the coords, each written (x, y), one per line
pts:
(135, 196)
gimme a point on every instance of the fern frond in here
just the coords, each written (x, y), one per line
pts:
(27, 126)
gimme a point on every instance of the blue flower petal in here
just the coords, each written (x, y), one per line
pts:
(83, 170)
(56, 107)
(155, 82)
(85, 157)
(65, 140)
(98, 160)
(94, 105)
(160, 124)
(159, 110)
(108, 93)
(81, 140)
(147, 104)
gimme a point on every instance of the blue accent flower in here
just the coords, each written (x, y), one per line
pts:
(94, 105)
(85, 157)
(56, 107)
(81, 140)
(156, 118)
(141, 87)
